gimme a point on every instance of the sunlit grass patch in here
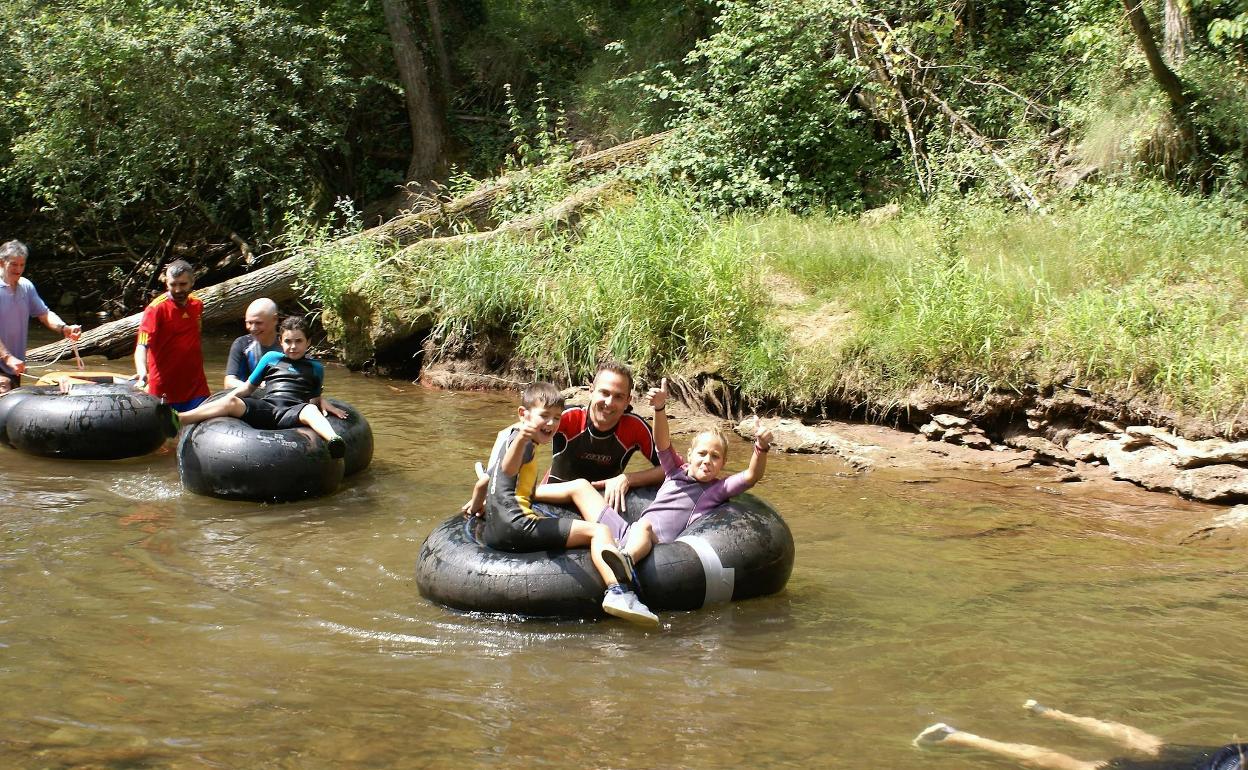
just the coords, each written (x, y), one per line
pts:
(1136, 290)
(642, 283)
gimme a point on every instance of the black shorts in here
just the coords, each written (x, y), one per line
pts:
(267, 415)
(514, 531)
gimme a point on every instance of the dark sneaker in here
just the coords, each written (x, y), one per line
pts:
(174, 422)
(619, 563)
(337, 448)
(626, 605)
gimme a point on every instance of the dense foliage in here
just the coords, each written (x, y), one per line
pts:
(150, 113)
(808, 103)
(176, 117)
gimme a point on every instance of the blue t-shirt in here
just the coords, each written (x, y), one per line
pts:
(286, 380)
(17, 306)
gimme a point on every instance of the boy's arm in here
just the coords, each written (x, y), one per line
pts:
(513, 458)
(320, 401)
(257, 375)
(658, 401)
(476, 504)
(244, 390)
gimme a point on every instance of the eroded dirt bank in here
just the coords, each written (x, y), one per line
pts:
(1066, 438)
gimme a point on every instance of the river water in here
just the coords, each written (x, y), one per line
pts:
(141, 626)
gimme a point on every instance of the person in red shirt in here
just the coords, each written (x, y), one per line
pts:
(169, 358)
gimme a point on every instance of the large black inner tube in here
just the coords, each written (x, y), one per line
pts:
(90, 422)
(740, 550)
(225, 457)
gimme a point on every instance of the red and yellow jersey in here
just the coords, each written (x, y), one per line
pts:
(175, 357)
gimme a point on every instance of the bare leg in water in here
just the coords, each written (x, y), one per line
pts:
(1131, 737)
(1038, 756)
(1026, 754)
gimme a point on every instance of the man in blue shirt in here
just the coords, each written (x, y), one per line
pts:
(261, 338)
(19, 302)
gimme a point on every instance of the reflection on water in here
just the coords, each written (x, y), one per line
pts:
(143, 627)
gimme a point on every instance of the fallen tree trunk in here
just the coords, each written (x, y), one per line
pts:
(476, 208)
(222, 302)
(561, 216)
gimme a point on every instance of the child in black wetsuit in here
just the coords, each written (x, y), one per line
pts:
(1154, 753)
(292, 392)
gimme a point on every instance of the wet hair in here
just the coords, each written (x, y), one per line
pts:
(1228, 758)
(541, 394)
(294, 323)
(714, 433)
(178, 268)
(615, 367)
(13, 249)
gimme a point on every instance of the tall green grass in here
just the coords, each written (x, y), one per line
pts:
(644, 282)
(1137, 291)
(334, 260)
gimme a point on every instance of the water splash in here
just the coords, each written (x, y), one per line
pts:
(145, 487)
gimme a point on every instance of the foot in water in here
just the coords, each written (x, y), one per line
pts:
(933, 734)
(1035, 708)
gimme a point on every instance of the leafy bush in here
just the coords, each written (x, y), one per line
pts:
(219, 110)
(767, 114)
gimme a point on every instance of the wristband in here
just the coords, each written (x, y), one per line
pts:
(659, 408)
(761, 448)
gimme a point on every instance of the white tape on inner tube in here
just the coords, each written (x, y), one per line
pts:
(719, 579)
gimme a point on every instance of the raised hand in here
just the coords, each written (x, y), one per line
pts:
(657, 397)
(762, 435)
(528, 433)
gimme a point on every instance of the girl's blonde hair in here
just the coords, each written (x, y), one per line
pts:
(714, 433)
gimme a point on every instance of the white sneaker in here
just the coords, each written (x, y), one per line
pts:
(626, 605)
(933, 734)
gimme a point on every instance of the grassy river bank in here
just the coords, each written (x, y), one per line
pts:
(1131, 295)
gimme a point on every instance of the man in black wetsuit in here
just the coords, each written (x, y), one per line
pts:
(261, 338)
(596, 442)
(1154, 753)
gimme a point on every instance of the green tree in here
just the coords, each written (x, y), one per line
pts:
(150, 112)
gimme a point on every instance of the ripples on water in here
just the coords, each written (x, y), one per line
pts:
(143, 627)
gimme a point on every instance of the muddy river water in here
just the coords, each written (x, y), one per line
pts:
(141, 626)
